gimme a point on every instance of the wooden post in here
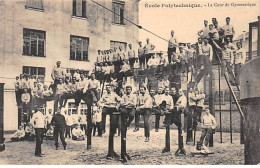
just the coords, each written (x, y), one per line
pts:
(230, 116)
(219, 97)
(2, 139)
(258, 37)
(180, 150)
(211, 98)
(112, 130)
(89, 126)
(124, 155)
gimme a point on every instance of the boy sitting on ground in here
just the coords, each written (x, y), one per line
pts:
(78, 134)
(19, 134)
(29, 132)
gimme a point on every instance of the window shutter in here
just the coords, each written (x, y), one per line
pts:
(121, 15)
(79, 7)
(84, 8)
(74, 8)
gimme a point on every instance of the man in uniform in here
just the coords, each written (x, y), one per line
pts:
(59, 123)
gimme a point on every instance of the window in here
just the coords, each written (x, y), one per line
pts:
(39, 72)
(79, 8)
(118, 9)
(34, 42)
(72, 70)
(117, 44)
(34, 4)
(83, 108)
(72, 108)
(79, 48)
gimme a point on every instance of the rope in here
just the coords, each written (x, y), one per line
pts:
(139, 26)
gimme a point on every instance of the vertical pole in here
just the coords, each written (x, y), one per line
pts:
(211, 98)
(242, 140)
(250, 41)
(230, 110)
(219, 97)
(89, 126)
(258, 37)
(167, 139)
(2, 139)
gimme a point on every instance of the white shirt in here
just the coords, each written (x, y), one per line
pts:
(153, 62)
(192, 99)
(201, 99)
(69, 120)
(208, 121)
(182, 101)
(169, 101)
(77, 76)
(172, 42)
(91, 84)
(148, 48)
(158, 98)
(77, 132)
(228, 29)
(37, 120)
(83, 119)
(240, 57)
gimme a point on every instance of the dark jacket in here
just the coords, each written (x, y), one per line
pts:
(58, 120)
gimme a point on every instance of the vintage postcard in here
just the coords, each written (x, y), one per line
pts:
(129, 82)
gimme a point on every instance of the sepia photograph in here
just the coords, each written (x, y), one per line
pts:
(129, 82)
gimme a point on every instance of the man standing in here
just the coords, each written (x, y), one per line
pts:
(204, 33)
(179, 107)
(37, 122)
(141, 55)
(57, 74)
(83, 121)
(26, 106)
(227, 59)
(109, 103)
(59, 123)
(229, 30)
(207, 55)
(240, 59)
(69, 123)
(131, 56)
(158, 98)
(144, 104)
(172, 46)
(147, 49)
(200, 103)
(208, 124)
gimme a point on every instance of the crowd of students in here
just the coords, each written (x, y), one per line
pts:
(113, 65)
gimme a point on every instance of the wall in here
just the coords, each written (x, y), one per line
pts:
(59, 24)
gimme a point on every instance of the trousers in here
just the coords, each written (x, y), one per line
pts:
(206, 133)
(39, 133)
(146, 113)
(59, 130)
